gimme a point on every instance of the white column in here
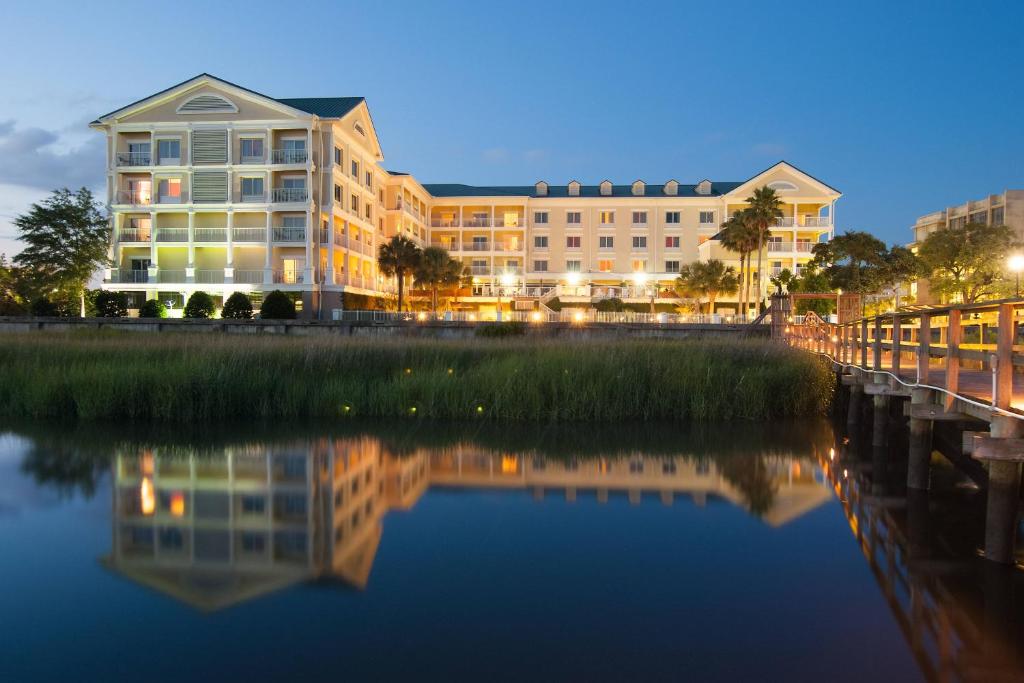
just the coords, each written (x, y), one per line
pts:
(190, 269)
(153, 252)
(229, 256)
(268, 275)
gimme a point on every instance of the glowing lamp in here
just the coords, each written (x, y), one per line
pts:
(421, 316)
(508, 279)
(572, 279)
(536, 316)
(1016, 263)
(640, 278)
(146, 498)
(577, 317)
(178, 504)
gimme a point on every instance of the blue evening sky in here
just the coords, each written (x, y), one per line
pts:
(906, 107)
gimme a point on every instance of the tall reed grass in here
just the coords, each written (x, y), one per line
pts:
(210, 378)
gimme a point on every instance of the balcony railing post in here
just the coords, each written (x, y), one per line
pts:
(864, 343)
(897, 333)
(1005, 335)
(876, 345)
(924, 341)
(954, 335)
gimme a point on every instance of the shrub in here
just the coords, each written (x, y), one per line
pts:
(612, 305)
(153, 308)
(111, 304)
(200, 305)
(10, 307)
(505, 329)
(277, 306)
(237, 307)
(44, 308)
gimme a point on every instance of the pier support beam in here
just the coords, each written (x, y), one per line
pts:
(880, 419)
(1003, 496)
(853, 411)
(920, 455)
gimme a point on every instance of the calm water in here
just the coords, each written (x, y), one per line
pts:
(391, 551)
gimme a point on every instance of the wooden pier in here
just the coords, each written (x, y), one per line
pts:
(961, 364)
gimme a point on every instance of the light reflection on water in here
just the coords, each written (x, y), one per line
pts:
(639, 551)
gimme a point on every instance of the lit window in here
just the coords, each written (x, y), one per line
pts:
(607, 217)
(572, 266)
(604, 265)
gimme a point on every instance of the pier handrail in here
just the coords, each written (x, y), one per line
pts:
(878, 343)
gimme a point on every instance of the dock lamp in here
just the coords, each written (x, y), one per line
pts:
(1016, 263)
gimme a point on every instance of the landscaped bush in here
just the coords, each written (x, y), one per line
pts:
(111, 304)
(237, 307)
(612, 305)
(277, 306)
(153, 308)
(505, 329)
(200, 306)
(44, 308)
(171, 377)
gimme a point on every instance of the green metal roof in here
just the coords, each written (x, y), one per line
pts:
(326, 107)
(650, 190)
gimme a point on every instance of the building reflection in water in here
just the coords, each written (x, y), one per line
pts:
(216, 529)
(960, 614)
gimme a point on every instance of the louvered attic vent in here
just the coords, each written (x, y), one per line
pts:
(207, 104)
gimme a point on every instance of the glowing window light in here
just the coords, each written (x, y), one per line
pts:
(509, 464)
(178, 504)
(146, 497)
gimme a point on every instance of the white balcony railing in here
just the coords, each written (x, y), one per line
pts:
(476, 245)
(452, 245)
(134, 158)
(290, 194)
(248, 234)
(508, 246)
(134, 197)
(252, 197)
(210, 276)
(800, 246)
(172, 234)
(251, 159)
(444, 222)
(180, 198)
(480, 270)
(290, 156)
(816, 221)
(288, 277)
(290, 234)
(211, 235)
(249, 277)
(170, 275)
(478, 223)
(129, 276)
(803, 222)
(135, 235)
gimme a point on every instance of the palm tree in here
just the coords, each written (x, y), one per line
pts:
(398, 257)
(437, 269)
(739, 234)
(764, 207)
(707, 279)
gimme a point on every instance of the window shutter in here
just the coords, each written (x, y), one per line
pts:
(210, 147)
(210, 186)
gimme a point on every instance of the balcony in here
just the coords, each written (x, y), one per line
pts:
(210, 235)
(135, 235)
(134, 158)
(129, 276)
(251, 197)
(800, 247)
(289, 277)
(444, 222)
(134, 197)
(290, 234)
(480, 270)
(325, 236)
(476, 245)
(249, 277)
(175, 276)
(802, 222)
(513, 247)
(290, 194)
(290, 156)
(180, 198)
(248, 234)
(478, 223)
(452, 245)
(210, 277)
(251, 159)
(172, 234)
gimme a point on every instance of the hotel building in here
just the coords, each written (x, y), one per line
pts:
(1006, 208)
(215, 187)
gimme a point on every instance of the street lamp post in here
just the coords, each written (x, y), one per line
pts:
(1016, 264)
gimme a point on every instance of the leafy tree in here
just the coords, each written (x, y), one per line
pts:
(707, 279)
(399, 257)
(811, 281)
(764, 207)
(11, 301)
(852, 261)
(277, 306)
(237, 307)
(899, 265)
(111, 304)
(200, 306)
(739, 234)
(66, 238)
(436, 269)
(967, 261)
(44, 308)
(153, 308)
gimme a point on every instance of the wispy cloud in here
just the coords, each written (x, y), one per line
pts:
(38, 158)
(534, 155)
(495, 155)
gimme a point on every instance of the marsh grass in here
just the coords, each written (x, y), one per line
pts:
(210, 378)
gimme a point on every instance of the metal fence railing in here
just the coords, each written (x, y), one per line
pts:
(576, 316)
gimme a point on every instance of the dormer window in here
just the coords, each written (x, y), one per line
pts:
(672, 188)
(541, 189)
(574, 188)
(638, 188)
(703, 187)
(606, 188)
